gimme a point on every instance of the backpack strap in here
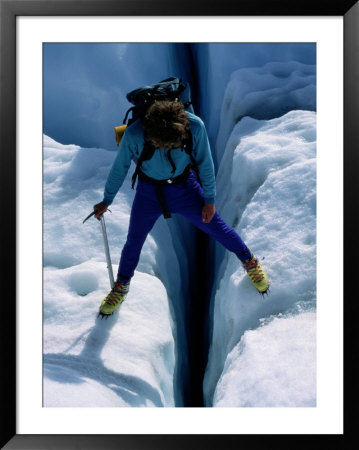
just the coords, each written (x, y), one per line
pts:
(149, 149)
(147, 153)
(127, 113)
(187, 146)
(162, 201)
(169, 156)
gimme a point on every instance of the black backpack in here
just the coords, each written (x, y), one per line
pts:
(171, 89)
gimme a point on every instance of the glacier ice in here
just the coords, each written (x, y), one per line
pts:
(258, 102)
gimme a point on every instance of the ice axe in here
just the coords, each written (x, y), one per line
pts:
(107, 249)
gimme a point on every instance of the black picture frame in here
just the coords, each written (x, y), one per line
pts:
(9, 10)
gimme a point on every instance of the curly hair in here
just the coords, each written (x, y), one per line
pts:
(165, 124)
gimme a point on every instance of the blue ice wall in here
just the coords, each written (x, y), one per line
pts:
(85, 83)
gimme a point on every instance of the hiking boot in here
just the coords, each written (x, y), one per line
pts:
(114, 299)
(256, 274)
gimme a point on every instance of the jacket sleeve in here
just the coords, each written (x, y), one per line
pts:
(203, 157)
(119, 169)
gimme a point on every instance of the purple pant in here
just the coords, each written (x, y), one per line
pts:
(186, 199)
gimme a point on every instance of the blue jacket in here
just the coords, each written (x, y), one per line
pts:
(158, 166)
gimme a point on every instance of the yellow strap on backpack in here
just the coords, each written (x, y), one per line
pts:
(119, 133)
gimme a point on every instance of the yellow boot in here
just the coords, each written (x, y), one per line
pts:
(256, 274)
(114, 299)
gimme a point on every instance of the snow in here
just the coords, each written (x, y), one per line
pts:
(263, 349)
(263, 371)
(126, 360)
(266, 92)
(120, 361)
(271, 202)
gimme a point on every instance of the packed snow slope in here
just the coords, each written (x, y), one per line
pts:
(262, 350)
(256, 359)
(127, 359)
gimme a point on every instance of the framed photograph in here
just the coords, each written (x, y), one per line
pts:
(280, 114)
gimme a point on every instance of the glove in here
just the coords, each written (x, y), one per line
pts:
(99, 209)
